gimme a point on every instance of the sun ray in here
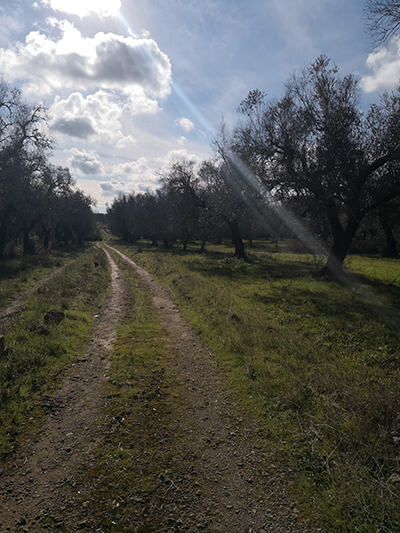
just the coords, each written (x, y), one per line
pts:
(84, 8)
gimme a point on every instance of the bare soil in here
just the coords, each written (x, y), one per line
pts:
(223, 478)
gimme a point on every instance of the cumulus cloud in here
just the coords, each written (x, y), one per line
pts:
(125, 141)
(145, 171)
(113, 188)
(83, 8)
(178, 155)
(185, 123)
(85, 162)
(75, 127)
(142, 173)
(98, 114)
(385, 66)
(106, 61)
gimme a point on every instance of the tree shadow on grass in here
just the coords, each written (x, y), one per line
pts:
(267, 266)
(219, 264)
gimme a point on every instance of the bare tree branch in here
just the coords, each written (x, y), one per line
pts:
(382, 20)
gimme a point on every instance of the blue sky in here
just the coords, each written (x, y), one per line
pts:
(132, 85)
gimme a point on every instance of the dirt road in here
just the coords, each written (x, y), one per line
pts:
(228, 481)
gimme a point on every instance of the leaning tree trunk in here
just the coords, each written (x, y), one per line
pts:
(341, 245)
(237, 239)
(342, 239)
(391, 245)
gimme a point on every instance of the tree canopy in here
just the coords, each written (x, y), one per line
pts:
(315, 143)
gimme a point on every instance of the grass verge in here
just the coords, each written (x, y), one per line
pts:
(21, 273)
(37, 350)
(316, 361)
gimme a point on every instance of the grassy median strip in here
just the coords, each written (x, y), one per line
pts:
(126, 473)
(50, 331)
(317, 361)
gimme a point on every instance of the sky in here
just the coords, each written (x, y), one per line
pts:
(134, 85)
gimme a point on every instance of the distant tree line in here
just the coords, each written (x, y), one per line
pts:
(39, 204)
(206, 203)
(310, 161)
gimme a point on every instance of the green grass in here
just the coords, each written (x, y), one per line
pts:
(316, 361)
(21, 273)
(37, 351)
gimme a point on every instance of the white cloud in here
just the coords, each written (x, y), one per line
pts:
(141, 174)
(83, 8)
(106, 61)
(125, 141)
(138, 103)
(124, 178)
(179, 155)
(85, 163)
(99, 115)
(185, 123)
(92, 189)
(113, 188)
(385, 66)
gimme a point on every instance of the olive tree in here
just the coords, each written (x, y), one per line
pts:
(316, 142)
(180, 187)
(24, 146)
(34, 195)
